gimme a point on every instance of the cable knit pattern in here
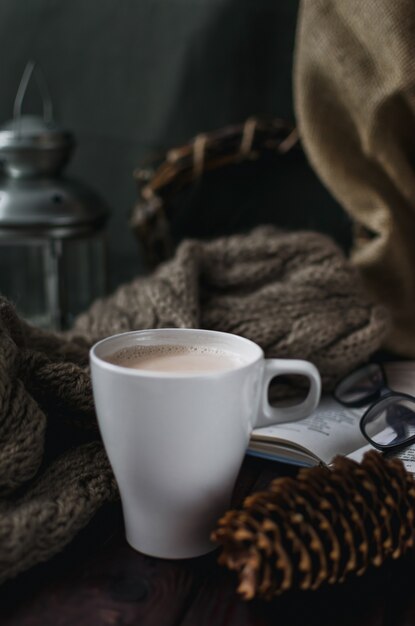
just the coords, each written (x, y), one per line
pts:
(293, 293)
(45, 499)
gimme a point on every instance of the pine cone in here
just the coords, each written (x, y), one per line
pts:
(319, 527)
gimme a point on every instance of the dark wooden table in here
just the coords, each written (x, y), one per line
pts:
(99, 580)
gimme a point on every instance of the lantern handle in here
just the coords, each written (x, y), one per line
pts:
(43, 89)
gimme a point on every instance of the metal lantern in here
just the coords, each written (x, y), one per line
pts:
(52, 229)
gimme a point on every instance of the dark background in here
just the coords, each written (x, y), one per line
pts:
(132, 78)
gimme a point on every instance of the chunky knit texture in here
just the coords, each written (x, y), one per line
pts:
(293, 293)
(47, 491)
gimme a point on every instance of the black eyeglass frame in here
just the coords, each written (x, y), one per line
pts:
(375, 399)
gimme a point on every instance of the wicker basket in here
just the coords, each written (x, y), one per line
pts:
(183, 166)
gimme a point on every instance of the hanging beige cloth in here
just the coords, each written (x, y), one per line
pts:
(354, 77)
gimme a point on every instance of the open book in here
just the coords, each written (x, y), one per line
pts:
(332, 429)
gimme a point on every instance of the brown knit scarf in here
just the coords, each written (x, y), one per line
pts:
(293, 293)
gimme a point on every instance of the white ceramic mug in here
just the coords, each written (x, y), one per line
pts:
(176, 441)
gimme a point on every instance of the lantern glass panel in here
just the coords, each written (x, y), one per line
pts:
(84, 273)
(50, 281)
(22, 279)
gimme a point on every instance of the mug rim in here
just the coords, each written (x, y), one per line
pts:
(112, 367)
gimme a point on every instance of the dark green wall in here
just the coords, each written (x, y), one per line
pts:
(133, 77)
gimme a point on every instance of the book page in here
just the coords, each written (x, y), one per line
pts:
(357, 455)
(332, 429)
(407, 456)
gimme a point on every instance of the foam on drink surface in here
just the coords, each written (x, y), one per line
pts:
(176, 358)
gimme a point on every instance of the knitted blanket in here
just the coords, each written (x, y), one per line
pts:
(354, 82)
(293, 293)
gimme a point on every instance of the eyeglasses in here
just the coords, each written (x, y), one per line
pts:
(389, 421)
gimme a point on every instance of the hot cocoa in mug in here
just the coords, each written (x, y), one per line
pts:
(176, 358)
(176, 408)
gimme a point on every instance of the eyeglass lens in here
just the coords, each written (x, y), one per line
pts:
(361, 384)
(390, 422)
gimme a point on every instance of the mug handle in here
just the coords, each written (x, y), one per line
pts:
(268, 414)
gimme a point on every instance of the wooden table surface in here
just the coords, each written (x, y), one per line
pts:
(99, 580)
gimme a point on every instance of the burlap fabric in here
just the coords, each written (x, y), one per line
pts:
(355, 104)
(293, 293)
